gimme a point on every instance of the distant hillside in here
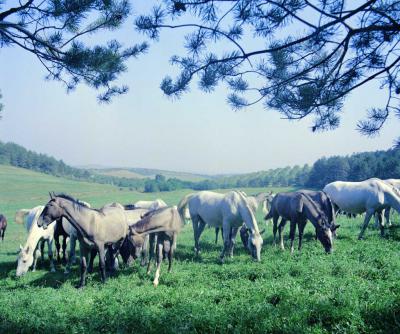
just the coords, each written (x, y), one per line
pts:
(141, 173)
(356, 167)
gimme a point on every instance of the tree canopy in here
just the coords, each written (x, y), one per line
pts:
(56, 31)
(309, 55)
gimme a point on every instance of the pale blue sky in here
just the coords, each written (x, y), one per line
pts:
(198, 133)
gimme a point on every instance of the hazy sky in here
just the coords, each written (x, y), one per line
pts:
(198, 133)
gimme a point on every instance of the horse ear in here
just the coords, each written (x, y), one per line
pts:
(51, 195)
(262, 231)
(336, 227)
(27, 250)
(20, 247)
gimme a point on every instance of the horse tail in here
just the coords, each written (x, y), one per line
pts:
(19, 216)
(183, 204)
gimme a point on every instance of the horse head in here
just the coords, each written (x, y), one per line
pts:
(51, 212)
(254, 245)
(25, 260)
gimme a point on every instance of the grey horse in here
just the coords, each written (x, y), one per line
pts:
(163, 226)
(97, 229)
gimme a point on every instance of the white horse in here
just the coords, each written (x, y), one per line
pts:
(228, 211)
(254, 201)
(394, 183)
(151, 205)
(29, 253)
(369, 196)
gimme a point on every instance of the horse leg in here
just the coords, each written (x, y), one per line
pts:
(226, 237)
(367, 218)
(233, 233)
(151, 251)
(36, 254)
(216, 235)
(71, 255)
(57, 241)
(302, 225)
(50, 253)
(144, 252)
(200, 228)
(102, 262)
(275, 228)
(159, 261)
(42, 251)
(93, 253)
(84, 251)
(381, 223)
(171, 252)
(387, 217)
(280, 232)
(64, 249)
(195, 223)
(292, 234)
(72, 246)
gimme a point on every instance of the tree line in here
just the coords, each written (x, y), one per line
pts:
(355, 167)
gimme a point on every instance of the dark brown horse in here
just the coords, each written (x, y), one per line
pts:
(3, 226)
(298, 207)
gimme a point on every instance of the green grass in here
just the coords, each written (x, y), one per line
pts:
(354, 290)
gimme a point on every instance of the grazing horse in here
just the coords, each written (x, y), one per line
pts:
(298, 207)
(3, 226)
(97, 229)
(369, 196)
(228, 211)
(127, 252)
(29, 254)
(163, 226)
(150, 205)
(254, 201)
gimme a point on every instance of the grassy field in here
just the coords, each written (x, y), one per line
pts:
(354, 290)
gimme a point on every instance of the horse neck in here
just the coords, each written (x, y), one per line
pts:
(35, 235)
(248, 216)
(76, 217)
(393, 199)
(311, 212)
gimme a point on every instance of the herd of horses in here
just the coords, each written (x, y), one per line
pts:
(149, 229)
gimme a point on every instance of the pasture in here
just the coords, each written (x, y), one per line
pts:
(354, 290)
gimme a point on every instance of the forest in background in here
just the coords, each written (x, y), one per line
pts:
(355, 167)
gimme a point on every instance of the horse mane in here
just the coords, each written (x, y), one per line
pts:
(321, 213)
(243, 198)
(77, 203)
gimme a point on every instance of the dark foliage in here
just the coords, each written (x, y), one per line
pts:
(357, 167)
(55, 31)
(311, 54)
